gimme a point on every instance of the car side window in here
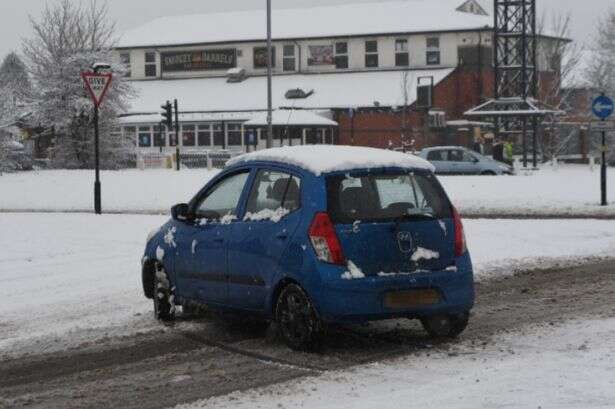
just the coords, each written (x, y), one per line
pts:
(468, 157)
(274, 190)
(455, 155)
(435, 156)
(223, 199)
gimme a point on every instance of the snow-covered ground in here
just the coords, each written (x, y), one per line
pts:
(571, 189)
(569, 367)
(126, 190)
(77, 276)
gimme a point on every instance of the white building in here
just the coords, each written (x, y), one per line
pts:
(326, 61)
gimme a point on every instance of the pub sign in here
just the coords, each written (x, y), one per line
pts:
(199, 60)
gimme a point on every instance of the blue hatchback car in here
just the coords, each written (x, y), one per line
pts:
(312, 235)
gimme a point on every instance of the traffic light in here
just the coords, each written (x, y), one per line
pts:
(167, 115)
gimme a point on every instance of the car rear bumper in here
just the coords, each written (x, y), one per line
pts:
(369, 298)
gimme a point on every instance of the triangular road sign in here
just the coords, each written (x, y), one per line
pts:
(97, 85)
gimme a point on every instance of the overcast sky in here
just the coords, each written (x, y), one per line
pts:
(14, 23)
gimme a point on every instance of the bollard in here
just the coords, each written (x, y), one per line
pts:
(592, 163)
(516, 165)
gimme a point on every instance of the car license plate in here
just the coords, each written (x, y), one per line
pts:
(411, 298)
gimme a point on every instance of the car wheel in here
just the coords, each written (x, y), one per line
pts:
(446, 326)
(298, 322)
(164, 296)
(489, 173)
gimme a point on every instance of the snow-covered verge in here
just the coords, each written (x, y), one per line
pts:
(72, 278)
(542, 367)
(506, 246)
(570, 189)
(125, 190)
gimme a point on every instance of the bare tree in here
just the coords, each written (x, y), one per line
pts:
(68, 39)
(600, 75)
(562, 58)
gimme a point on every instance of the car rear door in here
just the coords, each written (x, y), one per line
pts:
(258, 242)
(392, 223)
(215, 211)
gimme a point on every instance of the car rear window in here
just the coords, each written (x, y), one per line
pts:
(386, 197)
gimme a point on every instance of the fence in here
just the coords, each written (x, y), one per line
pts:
(190, 160)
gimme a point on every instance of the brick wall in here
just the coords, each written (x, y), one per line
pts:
(457, 93)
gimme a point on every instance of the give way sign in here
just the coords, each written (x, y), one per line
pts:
(97, 85)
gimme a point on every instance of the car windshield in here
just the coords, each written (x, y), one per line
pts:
(386, 197)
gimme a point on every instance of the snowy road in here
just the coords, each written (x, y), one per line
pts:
(72, 278)
(526, 315)
(72, 302)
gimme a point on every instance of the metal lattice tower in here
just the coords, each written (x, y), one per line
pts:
(515, 109)
(515, 49)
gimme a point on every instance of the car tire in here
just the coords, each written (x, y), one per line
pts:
(446, 326)
(164, 296)
(298, 323)
(489, 173)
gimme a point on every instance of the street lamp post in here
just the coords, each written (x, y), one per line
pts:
(269, 86)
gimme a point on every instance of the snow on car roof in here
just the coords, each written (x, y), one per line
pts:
(320, 159)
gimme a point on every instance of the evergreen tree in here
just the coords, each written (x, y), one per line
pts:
(68, 39)
(15, 88)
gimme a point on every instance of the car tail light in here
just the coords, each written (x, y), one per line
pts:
(324, 240)
(460, 236)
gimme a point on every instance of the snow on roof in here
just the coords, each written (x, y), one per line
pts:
(325, 21)
(291, 117)
(335, 90)
(320, 159)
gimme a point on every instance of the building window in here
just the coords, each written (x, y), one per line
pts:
(160, 138)
(204, 135)
(219, 136)
(371, 54)
(234, 135)
(150, 64)
(172, 139)
(402, 58)
(289, 58)
(145, 136)
(433, 51)
(125, 61)
(341, 55)
(188, 135)
(260, 57)
(130, 133)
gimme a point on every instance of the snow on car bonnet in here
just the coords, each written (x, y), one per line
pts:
(320, 159)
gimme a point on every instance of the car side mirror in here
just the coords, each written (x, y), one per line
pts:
(181, 212)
